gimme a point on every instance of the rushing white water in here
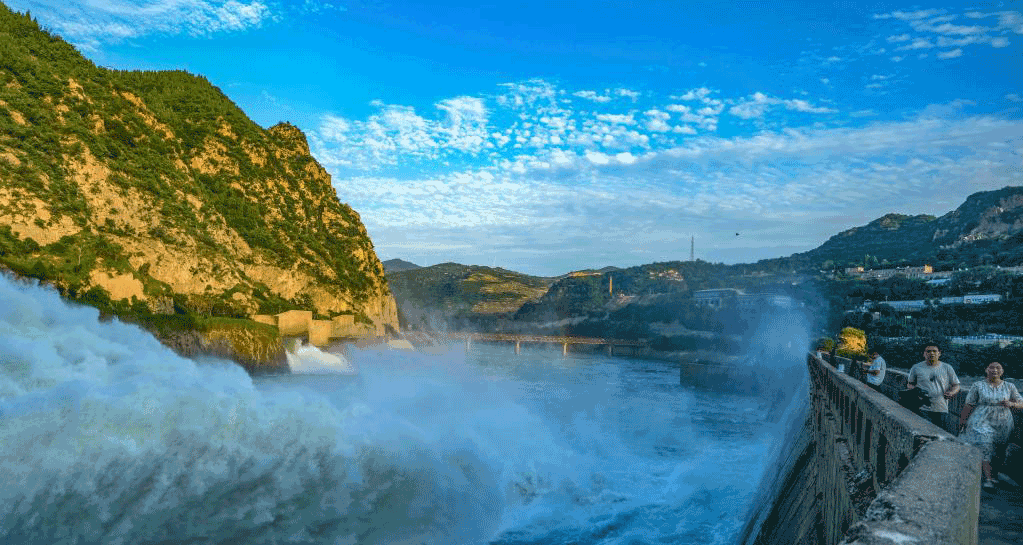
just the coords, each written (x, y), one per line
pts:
(110, 438)
(307, 359)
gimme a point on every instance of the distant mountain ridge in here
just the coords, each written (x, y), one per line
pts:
(398, 265)
(986, 228)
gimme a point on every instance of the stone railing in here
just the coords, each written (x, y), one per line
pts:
(895, 381)
(894, 477)
(869, 471)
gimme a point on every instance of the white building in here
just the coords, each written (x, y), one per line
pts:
(716, 298)
(986, 340)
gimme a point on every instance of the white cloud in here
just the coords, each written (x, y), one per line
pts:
(770, 182)
(592, 95)
(1011, 20)
(597, 158)
(466, 126)
(100, 22)
(804, 106)
(909, 16)
(556, 190)
(694, 94)
(625, 158)
(933, 28)
(628, 93)
(919, 43)
(757, 104)
(1014, 97)
(657, 121)
(623, 119)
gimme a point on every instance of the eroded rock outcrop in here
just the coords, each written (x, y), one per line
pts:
(151, 192)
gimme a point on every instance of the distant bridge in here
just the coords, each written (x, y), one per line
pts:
(564, 341)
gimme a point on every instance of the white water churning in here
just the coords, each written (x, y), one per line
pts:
(108, 437)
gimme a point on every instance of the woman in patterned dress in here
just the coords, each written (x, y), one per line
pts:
(986, 419)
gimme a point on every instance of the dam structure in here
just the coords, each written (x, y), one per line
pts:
(865, 470)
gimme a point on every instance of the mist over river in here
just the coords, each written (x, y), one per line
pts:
(108, 437)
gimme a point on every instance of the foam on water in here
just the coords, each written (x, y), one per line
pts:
(108, 437)
(307, 359)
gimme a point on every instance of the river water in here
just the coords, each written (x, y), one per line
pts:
(108, 437)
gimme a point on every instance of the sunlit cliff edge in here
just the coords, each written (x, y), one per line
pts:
(150, 195)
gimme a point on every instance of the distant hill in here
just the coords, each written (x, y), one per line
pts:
(398, 265)
(581, 292)
(450, 290)
(986, 229)
(583, 272)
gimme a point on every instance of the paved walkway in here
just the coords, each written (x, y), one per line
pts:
(1001, 516)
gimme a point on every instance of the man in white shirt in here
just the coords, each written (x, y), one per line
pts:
(875, 369)
(939, 380)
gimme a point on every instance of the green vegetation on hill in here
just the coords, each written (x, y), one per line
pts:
(89, 151)
(984, 230)
(453, 291)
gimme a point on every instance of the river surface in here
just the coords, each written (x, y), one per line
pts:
(107, 437)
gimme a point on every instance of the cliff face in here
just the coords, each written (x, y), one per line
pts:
(151, 192)
(988, 222)
(988, 215)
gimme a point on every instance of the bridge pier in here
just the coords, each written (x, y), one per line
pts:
(518, 348)
(564, 349)
(610, 350)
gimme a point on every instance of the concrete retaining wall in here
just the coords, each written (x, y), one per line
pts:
(868, 471)
(300, 323)
(265, 319)
(320, 332)
(294, 322)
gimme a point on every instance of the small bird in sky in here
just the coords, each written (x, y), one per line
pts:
(736, 234)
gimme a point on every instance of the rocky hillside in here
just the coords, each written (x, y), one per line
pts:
(986, 229)
(452, 291)
(152, 193)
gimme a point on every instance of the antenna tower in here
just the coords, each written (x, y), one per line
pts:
(692, 248)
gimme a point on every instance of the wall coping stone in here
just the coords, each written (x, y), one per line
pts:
(935, 498)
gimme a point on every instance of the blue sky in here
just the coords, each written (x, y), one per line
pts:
(546, 136)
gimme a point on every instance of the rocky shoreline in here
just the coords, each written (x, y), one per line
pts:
(193, 344)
